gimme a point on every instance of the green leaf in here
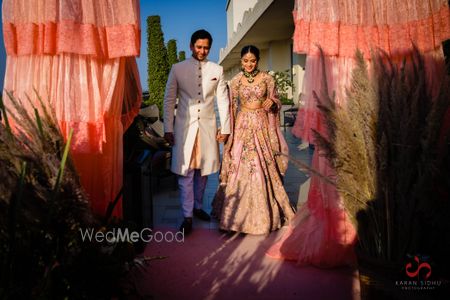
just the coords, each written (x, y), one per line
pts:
(39, 123)
(62, 165)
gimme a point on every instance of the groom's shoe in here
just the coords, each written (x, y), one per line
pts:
(202, 215)
(186, 226)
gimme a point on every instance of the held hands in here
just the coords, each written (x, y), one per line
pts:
(168, 136)
(221, 138)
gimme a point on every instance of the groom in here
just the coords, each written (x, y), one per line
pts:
(195, 154)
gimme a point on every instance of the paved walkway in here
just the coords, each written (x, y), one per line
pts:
(167, 210)
(211, 265)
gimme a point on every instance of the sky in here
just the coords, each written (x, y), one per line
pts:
(179, 19)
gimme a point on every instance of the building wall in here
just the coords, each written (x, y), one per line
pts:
(232, 71)
(235, 13)
(298, 73)
(230, 19)
(263, 59)
(280, 57)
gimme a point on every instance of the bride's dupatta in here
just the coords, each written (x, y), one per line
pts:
(277, 142)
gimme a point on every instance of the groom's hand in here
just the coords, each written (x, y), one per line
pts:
(222, 138)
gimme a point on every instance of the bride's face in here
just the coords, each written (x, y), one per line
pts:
(249, 62)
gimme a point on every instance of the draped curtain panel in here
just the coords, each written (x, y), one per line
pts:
(80, 57)
(340, 27)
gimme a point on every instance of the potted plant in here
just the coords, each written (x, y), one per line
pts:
(285, 87)
(390, 150)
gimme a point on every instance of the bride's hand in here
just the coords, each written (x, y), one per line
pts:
(267, 104)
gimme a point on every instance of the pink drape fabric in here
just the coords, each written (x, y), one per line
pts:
(101, 28)
(340, 27)
(321, 233)
(79, 56)
(337, 77)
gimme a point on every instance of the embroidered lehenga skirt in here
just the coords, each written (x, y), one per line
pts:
(252, 199)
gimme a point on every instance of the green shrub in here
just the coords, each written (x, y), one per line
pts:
(158, 66)
(172, 52)
(283, 83)
(181, 55)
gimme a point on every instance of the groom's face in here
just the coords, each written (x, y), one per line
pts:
(200, 49)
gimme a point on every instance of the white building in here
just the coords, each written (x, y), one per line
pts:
(268, 25)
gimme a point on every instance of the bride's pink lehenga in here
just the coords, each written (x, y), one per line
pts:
(321, 233)
(251, 197)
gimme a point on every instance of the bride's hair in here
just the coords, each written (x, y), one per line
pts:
(250, 49)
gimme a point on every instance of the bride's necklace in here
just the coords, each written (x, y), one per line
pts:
(251, 75)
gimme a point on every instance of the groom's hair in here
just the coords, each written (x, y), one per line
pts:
(200, 35)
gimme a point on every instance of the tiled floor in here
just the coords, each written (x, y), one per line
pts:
(166, 206)
(227, 267)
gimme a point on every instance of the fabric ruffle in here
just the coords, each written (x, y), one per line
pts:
(99, 12)
(78, 55)
(102, 28)
(338, 76)
(87, 92)
(321, 233)
(309, 117)
(342, 34)
(70, 37)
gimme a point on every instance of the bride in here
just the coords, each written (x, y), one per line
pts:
(251, 197)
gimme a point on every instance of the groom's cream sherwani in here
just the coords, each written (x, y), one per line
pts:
(195, 84)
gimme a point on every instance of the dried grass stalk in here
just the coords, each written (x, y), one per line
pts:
(390, 151)
(350, 145)
(42, 203)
